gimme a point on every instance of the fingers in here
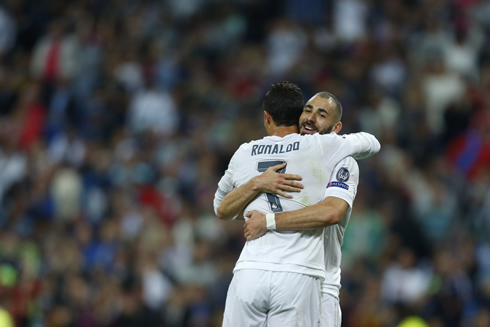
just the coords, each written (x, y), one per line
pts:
(292, 177)
(290, 187)
(272, 182)
(281, 193)
(286, 186)
(246, 232)
(286, 176)
(277, 167)
(248, 236)
(249, 214)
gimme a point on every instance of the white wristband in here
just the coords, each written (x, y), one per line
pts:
(270, 218)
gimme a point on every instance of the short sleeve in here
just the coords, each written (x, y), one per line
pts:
(225, 185)
(344, 181)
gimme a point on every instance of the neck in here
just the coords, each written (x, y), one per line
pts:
(282, 131)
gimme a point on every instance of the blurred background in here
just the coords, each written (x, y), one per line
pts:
(118, 117)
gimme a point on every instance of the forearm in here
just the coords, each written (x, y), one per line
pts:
(316, 216)
(329, 212)
(235, 202)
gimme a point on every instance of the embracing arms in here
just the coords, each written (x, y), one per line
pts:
(230, 205)
(358, 145)
(338, 197)
(326, 213)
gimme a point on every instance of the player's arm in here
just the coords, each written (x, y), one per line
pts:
(225, 186)
(358, 145)
(229, 205)
(326, 213)
(339, 196)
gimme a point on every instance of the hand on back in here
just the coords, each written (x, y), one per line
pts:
(273, 182)
(255, 226)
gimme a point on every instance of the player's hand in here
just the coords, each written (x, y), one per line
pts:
(256, 226)
(272, 182)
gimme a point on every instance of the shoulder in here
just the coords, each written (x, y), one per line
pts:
(346, 169)
(243, 147)
(247, 147)
(324, 138)
(348, 162)
(315, 138)
(328, 136)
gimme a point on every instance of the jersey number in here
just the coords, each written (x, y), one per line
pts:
(273, 199)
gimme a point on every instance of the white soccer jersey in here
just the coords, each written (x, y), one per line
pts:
(313, 157)
(343, 184)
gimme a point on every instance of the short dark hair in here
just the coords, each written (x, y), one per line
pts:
(338, 105)
(284, 102)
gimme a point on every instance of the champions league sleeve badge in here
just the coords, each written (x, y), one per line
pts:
(343, 175)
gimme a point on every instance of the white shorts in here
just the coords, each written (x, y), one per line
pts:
(331, 314)
(259, 298)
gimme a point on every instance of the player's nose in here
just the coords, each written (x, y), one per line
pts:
(311, 118)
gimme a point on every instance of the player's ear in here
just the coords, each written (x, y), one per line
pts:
(337, 127)
(267, 117)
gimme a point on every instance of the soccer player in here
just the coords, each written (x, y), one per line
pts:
(262, 292)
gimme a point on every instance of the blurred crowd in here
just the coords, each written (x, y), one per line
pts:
(118, 117)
